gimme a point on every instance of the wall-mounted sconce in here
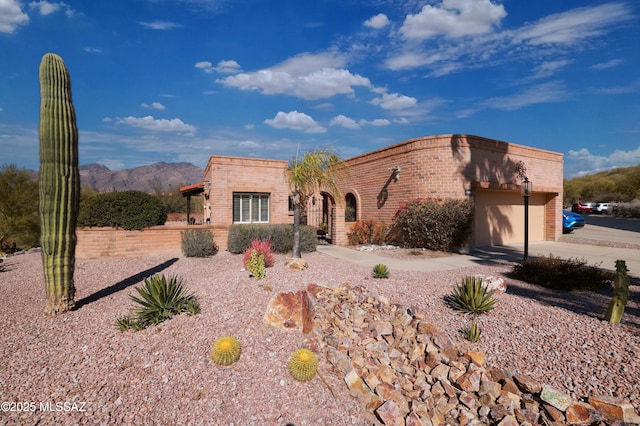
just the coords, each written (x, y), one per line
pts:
(468, 192)
(384, 194)
(396, 172)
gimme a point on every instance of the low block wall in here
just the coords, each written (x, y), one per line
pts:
(166, 240)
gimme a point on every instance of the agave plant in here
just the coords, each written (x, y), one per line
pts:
(161, 299)
(471, 296)
(472, 333)
(380, 271)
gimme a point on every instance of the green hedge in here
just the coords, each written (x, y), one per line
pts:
(281, 237)
(127, 210)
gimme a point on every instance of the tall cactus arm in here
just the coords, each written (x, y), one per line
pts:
(59, 183)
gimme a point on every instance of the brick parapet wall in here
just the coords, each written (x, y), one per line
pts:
(94, 243)
(444, 166)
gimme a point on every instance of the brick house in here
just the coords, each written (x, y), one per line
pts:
(249, 190)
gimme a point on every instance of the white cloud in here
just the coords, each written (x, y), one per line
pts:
(228, 67)
(549, 37)
(549, 68)
(223, 67)
(453, 18)
(11, 16)
(394, 101)
(379, 122)
(160, 25)
(574, 25)
(583, 162)
(206, 66)
(154, 105)
(410, 60)
(249, 145)
(305, 76)
(295, 120)
(46, 8)
(162, 125)
(609, 64)
(538, 94)
(377, 22)
(343, 121)
(92, 50)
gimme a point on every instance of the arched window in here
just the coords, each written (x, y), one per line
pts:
(351, 209)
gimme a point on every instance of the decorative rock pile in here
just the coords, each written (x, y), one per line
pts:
(407, 372)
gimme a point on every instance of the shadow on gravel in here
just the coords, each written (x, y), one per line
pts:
(590, 303)
(134, 279)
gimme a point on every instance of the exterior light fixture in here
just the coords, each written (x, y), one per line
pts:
(468, 192)
(396, 172)
(526, 190)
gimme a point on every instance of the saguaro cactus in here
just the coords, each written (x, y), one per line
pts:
(620, 294)
(59, 183)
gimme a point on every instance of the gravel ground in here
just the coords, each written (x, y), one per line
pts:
(163, 375)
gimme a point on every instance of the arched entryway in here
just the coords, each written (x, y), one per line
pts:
(321, 214)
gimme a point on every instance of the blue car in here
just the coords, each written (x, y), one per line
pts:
(571, 221)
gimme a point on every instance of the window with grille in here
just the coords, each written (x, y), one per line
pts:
(250, 207)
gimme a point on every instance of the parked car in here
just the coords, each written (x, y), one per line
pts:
(601, 208)
(571, 221)
(582, 208)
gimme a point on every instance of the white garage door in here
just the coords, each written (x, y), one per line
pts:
(499, 218)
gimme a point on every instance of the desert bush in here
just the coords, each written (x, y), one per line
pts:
(255, 264)
(126, 210)
(262, 248)
(631, 209)
(434, 224)
(560, 274)
(198, 243)
(160, 299)
(280, 236)
(367, 232)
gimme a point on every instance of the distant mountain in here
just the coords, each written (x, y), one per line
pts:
(155, 178)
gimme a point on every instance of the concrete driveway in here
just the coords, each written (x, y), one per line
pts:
(589, 243)
(586, 244)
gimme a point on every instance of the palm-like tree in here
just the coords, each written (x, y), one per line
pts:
(314, 171)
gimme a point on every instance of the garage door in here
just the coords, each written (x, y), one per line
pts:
(499, 218)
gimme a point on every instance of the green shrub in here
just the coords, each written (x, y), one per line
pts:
(126, 210)
(281, 237)
(198, 243)
(19, 220)
(559, 274)
(256, 265)
(160, 299)
(367, 232)
(380, 271)
(433, 224)
(471, 296)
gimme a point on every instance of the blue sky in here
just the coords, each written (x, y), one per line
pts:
(180, 80)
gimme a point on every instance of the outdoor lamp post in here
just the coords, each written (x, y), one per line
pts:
(526, 193)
